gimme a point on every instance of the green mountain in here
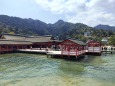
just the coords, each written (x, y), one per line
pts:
(24, 26)
(60, 29)
(105, 27)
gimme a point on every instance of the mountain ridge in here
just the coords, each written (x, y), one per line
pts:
(105, 27)
(60, 29)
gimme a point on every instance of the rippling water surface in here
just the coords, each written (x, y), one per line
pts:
(38, 70)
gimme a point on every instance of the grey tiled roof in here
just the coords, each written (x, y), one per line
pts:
(27, 38)
(10, 42)
(78, 42)
(38, 39)
(13, 37)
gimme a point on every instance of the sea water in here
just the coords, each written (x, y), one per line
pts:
(37, 70)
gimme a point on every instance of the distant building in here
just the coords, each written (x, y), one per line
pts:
(9, 42)
(72, 47)
(87, 34)
(93, 47)
(104, 40)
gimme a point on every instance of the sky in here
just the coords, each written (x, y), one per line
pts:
(89, 12)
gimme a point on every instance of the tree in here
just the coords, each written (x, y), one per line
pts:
(112, 40)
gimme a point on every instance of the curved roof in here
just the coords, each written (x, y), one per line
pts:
(76, 42)
(27, 38)
(10, 42)
(38, 39)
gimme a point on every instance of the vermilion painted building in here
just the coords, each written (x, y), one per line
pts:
(73, 47)
(23, 42)
(94, 47)
(10, 45)
(68, 47)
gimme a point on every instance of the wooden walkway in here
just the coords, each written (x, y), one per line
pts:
(32, 51)
(58, 53)
(51, 52)
(108, 51)
(66, 53)
(54, 52)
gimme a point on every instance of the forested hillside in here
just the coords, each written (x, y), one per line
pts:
(105, 27)
(60, 29)
(24, 26)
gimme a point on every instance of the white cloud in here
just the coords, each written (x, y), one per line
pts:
(90, 12)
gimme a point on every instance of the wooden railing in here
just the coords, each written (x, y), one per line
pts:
(73, 53)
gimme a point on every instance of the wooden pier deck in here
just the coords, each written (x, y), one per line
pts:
(108, 51)
(65, 53)
(33, 51)
(53, 53)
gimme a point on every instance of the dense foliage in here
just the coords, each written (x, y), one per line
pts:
(112, 40)
(60, 29)
(105, 27)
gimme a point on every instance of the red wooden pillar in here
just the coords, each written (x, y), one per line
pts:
(0, 49)
(61, 49)
(100, 47)
(68, 51)
(93, 47)
(81, 49)
(76, 51)
(7, 48)
(88, 47)
(85, 48)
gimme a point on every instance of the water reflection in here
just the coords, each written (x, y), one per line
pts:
(29, 69)
(71, 68)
